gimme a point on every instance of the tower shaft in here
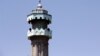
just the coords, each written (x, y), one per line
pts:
(39, 47)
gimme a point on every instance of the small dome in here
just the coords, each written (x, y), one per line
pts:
(39, 6)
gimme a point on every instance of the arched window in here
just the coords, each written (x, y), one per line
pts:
(35, 17)
(40, 17)
(30, 29)
(48, 29)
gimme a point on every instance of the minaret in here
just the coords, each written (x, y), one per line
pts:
(39, 33)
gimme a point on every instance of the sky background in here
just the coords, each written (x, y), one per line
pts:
(75, 26)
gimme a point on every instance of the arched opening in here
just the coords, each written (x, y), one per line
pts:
(40, 17)
(35, 17)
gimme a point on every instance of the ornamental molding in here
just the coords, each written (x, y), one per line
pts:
(41, 16)
(44, 32)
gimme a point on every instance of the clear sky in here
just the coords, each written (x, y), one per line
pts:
(75, 26)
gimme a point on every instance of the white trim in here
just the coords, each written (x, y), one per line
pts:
(39, 32)
(31, 17)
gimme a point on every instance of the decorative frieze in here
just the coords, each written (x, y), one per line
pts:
(39, 16)
(43, 32)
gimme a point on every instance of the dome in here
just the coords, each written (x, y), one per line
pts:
(39, 6)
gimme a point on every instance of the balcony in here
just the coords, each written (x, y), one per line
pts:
(39, 16)
(40, 32)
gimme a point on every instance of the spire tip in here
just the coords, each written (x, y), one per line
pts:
(39, 5)
(40, 1)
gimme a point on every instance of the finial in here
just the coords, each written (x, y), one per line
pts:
(40, 1)
(39, 5)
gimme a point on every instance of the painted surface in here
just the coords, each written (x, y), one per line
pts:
(37, 31)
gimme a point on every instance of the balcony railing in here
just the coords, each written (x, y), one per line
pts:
(43, 16)
(43, 32)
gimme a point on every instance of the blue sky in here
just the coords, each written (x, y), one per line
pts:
(75, 26)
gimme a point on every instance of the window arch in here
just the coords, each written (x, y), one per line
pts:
(35, 17)
(40, 17)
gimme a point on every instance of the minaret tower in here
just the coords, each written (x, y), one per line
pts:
(39, 33)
